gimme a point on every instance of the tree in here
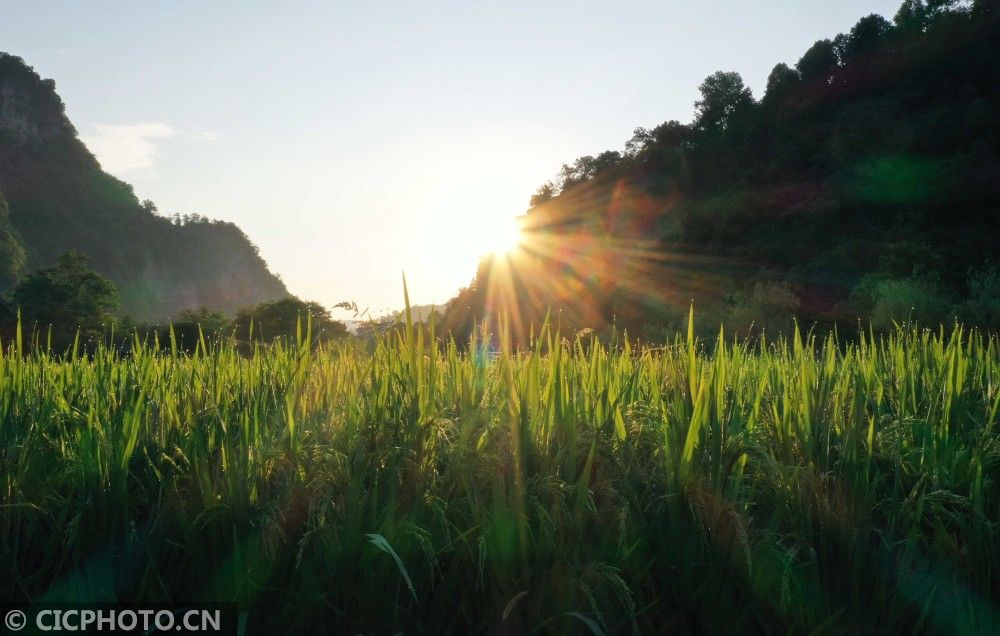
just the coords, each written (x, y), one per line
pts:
(887, 301)
(781, 79)
(209, 321)
(191, 327)
(671, 134)
(642, 138)
(577, 172)
(586, 168)
(281, 319)
(770, 306)
(819, 61)
(912, 16)
(544, 194)
(866, 36)
(607, 160)
(723, 95)
(66, 296)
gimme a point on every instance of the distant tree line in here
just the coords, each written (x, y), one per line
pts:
(70, 304)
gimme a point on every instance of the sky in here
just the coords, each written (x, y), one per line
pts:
(353, 142)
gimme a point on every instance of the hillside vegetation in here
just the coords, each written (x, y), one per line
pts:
(864, 184)
(54, 198)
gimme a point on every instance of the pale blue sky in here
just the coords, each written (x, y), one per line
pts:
(352, 141)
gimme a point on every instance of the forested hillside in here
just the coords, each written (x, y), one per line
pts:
(863, 185)
(54, 198)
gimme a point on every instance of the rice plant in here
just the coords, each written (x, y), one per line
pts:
(420, 485)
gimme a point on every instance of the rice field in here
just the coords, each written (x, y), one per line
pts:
(419, 485)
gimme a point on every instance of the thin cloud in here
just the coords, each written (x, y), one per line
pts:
(126, 148)
(207, 135)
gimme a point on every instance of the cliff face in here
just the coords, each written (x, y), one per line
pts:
(29, 105)
(15, 112)
(59, 199)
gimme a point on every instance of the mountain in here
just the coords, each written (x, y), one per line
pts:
(418, 313)
(54, 197)
(864, 184)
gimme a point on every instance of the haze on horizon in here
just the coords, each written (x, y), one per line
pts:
(353, 142)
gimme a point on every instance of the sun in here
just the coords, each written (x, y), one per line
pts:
(504, 239)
